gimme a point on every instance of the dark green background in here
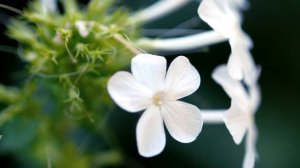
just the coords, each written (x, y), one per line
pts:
(274, 26)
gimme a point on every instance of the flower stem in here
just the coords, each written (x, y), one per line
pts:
(213, 116)
(11, 8)
(157, 10)
(182, 43)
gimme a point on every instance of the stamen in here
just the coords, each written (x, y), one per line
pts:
(158, 99)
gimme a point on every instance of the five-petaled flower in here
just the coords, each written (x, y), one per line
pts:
(150, 87)
(239, 119)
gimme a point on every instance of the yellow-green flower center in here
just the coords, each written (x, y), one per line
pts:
(158, 99)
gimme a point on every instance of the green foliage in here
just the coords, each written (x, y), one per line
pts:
(64, 100)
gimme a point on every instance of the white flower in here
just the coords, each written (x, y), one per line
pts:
(223, 16)
(239, 119)
(84, 27)
(49, 5)
(150, 87)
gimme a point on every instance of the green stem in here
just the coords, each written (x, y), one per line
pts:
(11, 9)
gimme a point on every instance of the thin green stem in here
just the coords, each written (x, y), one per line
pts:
(69, 52)
(8, 49)
(11, 9)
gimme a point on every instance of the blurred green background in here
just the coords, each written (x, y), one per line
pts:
(274, 26)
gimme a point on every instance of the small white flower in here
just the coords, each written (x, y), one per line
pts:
(239, 119)
(49, 5)
(150, 87)
(58, 39)
(84, 27)
(223, 16)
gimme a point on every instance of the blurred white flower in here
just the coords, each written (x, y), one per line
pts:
(84, 27)
(239, 119)
(49, 5)
(150, 87)
(224, 17)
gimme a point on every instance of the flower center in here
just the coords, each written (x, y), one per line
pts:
(158, 99)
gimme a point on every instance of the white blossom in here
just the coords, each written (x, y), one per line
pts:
(84, 27)
(224, 17)
(49, 5)
(151, 88)
(239, 119)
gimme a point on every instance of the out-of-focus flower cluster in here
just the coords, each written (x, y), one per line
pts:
(69, 54)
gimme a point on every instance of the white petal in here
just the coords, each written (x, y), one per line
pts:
(235, 67)
(150, 133)
(50, 5)
(128, 93)
(255, 97)
(241, 64)
(237, 122)
(182, 79)
(253, 74)
(251, 154)
(150, 70)
(183, 120)
(220, 16)
(245, 40)
(84, 27)
(232, 87)
(256, 75)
